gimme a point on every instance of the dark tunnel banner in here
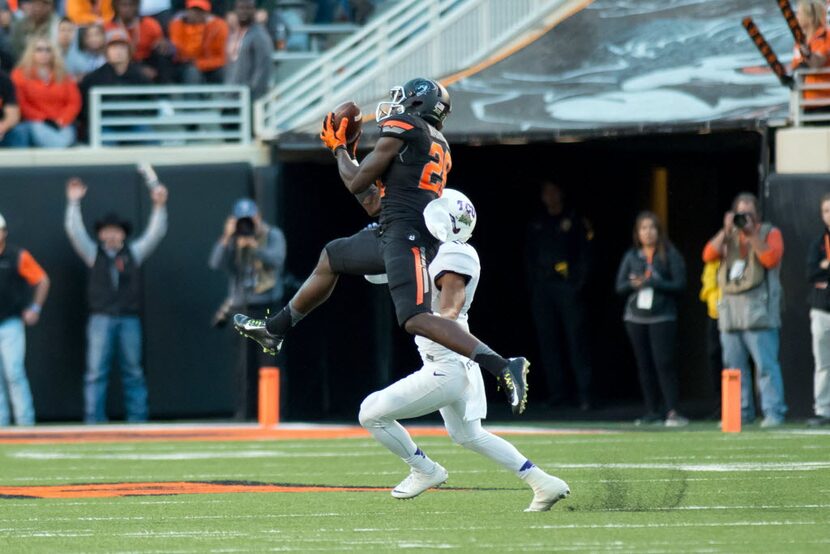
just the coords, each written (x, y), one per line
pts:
(631, 65)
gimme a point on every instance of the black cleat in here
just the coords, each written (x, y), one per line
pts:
(513, 380)
(254, 329)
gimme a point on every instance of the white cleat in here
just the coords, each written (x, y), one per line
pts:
(417, 482)
(548, 492)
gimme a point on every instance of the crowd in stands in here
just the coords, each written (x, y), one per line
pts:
(56, 50)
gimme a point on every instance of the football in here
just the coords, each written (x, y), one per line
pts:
(351, 111)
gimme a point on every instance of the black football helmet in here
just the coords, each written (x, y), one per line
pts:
(424, 98)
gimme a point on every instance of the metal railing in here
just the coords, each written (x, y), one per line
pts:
(810, 108)
(431, 38)
(169, 115)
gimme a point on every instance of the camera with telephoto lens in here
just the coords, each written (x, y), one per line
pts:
(741, 219)
(245, 227)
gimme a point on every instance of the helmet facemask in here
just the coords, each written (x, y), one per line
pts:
(393, 106)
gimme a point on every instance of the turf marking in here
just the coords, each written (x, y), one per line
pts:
(166, 488)
(737, 466)
(674, 525)
(82, 434)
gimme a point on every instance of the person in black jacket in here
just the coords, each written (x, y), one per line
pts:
(818, 274)
(558, 264)
(119, 71)
(652, 274)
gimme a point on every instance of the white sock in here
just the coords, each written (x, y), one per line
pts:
(534, 476)
(420, 462)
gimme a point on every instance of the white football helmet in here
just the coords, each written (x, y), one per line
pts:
(451, 217)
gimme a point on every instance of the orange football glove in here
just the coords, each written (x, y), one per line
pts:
(331, 137)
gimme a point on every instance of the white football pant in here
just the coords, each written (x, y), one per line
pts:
(438, 386)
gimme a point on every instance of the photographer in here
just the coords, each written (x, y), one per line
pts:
(750, 252)
(253, 254)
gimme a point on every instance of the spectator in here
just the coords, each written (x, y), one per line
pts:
(286, 16)
(67, 38)
(249, 52)
(49, 99)
(118, 71)
(114, 295)
(253, 254)
(818, 273)
(90, 54)
(18, 272)
(557, 266)
(199, 38)
(710, 294)
(812, 17)
(652, 274)
(41, 22)
(6, 55)
(87, 12)
(150, 49)
(750, 253)
(10, 134)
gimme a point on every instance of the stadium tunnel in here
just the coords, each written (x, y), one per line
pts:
(351, 345)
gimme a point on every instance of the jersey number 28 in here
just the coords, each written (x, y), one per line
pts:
(434, 175)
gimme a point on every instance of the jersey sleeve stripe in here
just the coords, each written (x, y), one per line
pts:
(419, 276)
(395, 123)
(29, 269)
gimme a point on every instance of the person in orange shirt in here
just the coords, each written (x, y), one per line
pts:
(151, 50)
(812, 17)
(84, 12)
(19, 272)
(49, 98)
(750, 251)
(199, 38)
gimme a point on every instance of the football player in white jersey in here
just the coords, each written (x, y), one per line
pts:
(449, 382)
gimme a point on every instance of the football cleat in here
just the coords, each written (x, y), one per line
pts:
(417, 482)
(547, 492)
(513, 381)
(254, 329)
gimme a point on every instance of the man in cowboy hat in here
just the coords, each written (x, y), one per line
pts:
(114, 297)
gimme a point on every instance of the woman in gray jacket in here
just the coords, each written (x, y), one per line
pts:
(652, 274)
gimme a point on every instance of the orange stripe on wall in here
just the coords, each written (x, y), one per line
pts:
(419, 275)
(530, 38)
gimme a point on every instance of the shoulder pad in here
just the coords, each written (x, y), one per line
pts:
(399, 125)
(459, 253)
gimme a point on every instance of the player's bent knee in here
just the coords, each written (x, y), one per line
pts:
(369, 415)
(467, 434)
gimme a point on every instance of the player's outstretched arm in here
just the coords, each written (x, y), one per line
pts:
(453, 294)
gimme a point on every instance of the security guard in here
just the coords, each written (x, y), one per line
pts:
(558, 260)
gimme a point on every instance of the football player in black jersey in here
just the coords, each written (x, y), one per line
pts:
(404, 172)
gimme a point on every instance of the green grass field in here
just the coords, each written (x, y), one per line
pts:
(633, 491)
